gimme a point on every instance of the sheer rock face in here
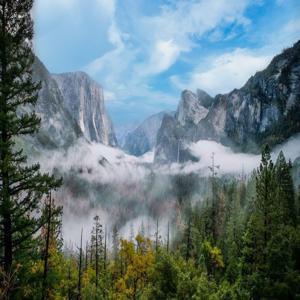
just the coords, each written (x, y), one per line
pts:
(143, 138)
(265, 110)
(84, 99)
(58, 128)
(190, 109)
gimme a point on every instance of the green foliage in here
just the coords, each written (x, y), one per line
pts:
(22, 187)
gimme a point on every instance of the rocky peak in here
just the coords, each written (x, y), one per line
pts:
(190, 109)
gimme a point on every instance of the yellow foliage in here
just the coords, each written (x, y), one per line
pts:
(217, 257)
(138, 260)
(215, 254)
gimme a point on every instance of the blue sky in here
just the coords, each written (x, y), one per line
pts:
(145, 52)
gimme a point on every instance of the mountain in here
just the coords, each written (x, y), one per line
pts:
(143, 138)
(265, 110)
(83, 98)
(183, 127)
(58, 128)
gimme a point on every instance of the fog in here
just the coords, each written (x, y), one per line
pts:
(130, 192)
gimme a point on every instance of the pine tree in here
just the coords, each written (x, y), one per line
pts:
(115, 242)
(213, 169)
(52, 235)
(156, 236)
(285, 191)
(105, 249)
(22, 187)
(259, 226)
(168, 237)
(265, 203)
(268, 251)
(79, 283)
(97, 246)
(188, 239)
(86, 261)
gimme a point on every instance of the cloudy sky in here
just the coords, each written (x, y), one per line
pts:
(144, 53)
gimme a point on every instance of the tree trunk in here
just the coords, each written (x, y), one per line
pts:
(46, 254)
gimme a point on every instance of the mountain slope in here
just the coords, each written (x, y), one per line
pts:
(265, 110)
(84, 99)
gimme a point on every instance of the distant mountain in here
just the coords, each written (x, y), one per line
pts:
(83, 98)
(122, 130)
(143, 138)
(265, 110)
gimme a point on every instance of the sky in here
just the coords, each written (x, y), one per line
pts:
(144, 53)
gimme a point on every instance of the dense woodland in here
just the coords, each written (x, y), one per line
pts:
(243, 242)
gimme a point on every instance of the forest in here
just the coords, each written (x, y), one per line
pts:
(242, 242)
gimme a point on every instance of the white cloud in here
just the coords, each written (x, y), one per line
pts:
(109, 6)
(176, 27)
(164, 55)
(289, 33)
(226, 72)
(231, 70)
(156, 42)
(58, 4)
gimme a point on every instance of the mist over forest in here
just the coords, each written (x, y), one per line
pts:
(130, 192)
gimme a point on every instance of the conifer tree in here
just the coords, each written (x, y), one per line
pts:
(156, 236)
(115, 242)
(213, 169)
(188, 239)
(268, 252)
(79, 282)
(22, 187)
(97, 245)
(168, 237)
(51, 233)
(285, 191)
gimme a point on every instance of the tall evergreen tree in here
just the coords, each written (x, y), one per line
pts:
(21, 186)
(268, 252)
(286, 199)
(213, 169)
(51, 233)
(115, 242)
(97, 246)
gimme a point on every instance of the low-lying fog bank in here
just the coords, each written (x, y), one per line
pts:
(132, 193)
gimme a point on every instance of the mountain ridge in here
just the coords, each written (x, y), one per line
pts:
(265, 110)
